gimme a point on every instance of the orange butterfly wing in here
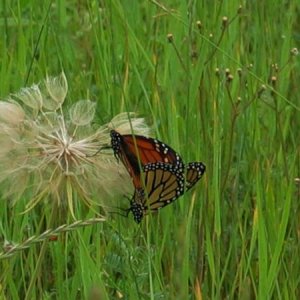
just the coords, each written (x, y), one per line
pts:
(194, 172)
(136, 151)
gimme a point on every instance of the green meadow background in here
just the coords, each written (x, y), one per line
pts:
(219, 81)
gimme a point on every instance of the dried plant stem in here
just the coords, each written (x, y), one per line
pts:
(48, 234)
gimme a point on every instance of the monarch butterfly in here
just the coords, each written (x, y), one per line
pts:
(157, 172)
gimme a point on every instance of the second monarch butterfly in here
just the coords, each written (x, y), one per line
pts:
(157, 171)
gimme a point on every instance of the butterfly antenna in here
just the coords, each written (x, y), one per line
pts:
(100, 149)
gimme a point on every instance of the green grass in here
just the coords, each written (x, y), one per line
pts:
(236, 234)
